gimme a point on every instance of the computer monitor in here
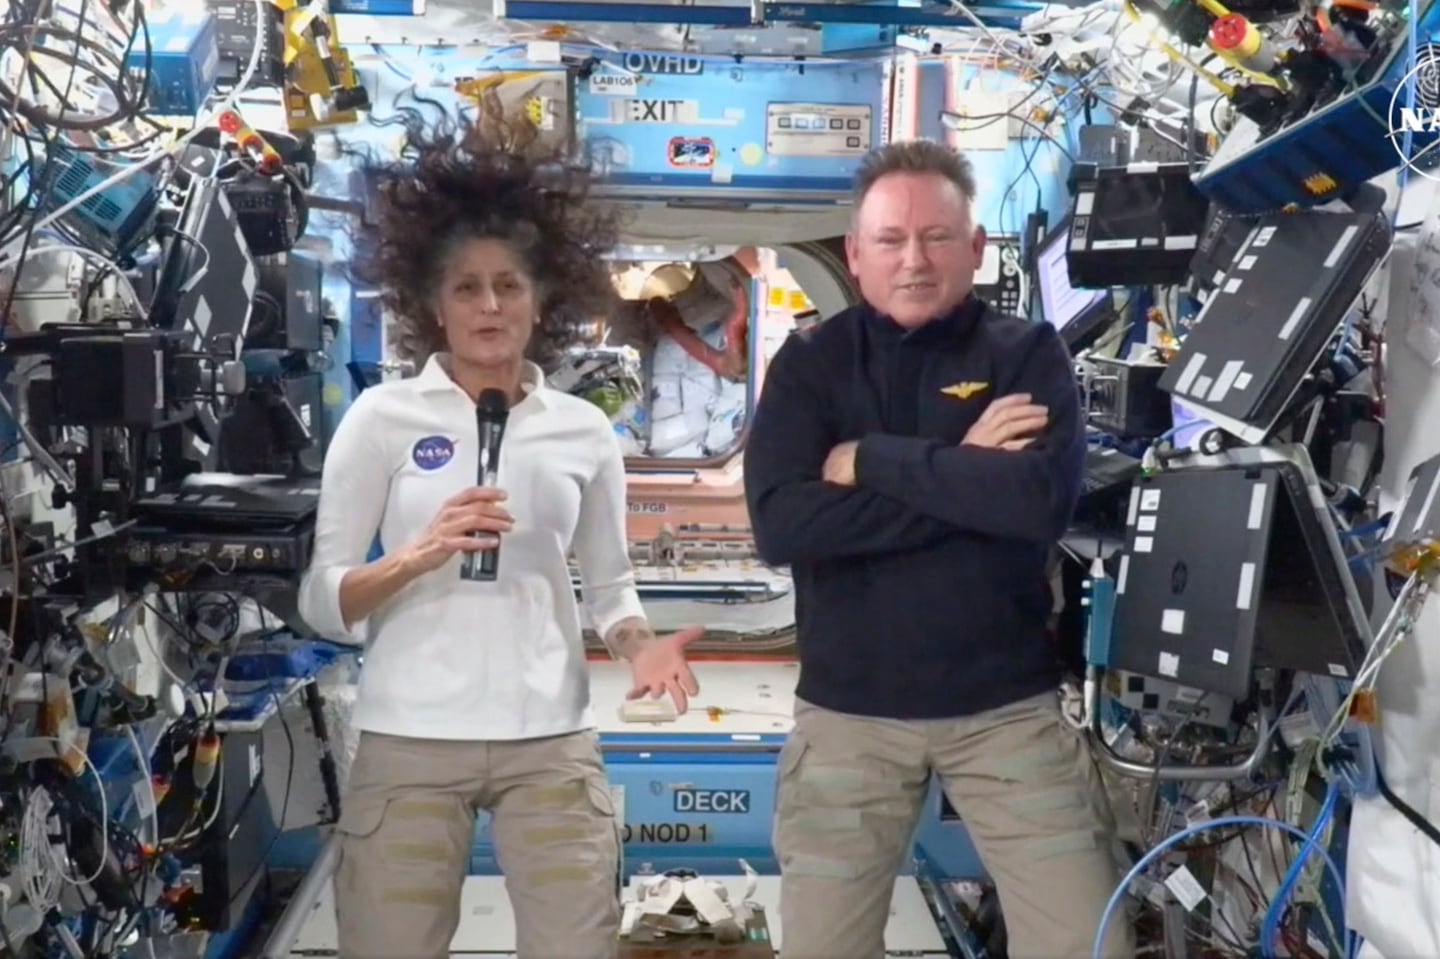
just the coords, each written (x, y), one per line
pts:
(1233, 563)
(1079, 315)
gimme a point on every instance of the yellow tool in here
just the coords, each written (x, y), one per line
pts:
(321, 86)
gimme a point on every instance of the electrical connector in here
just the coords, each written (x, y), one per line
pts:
(207, 754)
(1364, 708)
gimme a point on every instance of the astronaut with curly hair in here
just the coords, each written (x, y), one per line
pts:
(475, 695)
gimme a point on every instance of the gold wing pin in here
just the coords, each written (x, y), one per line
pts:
(963, 391)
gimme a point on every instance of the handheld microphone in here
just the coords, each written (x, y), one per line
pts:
(491, 412)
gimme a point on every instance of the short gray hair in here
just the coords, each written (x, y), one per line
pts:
(914, 156)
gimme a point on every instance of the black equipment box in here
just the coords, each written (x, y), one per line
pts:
(1125, 398)
(218, 525)
(1136, 225)
(283, 553)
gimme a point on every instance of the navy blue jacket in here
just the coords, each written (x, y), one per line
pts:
(921, 593)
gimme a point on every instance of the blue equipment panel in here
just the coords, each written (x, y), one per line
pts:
(701, 802)
(367, 326)
(379, 8)
(183, 60)
(115, 217)
(1334, 150)
(668, 126)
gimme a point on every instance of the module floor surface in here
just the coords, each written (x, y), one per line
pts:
(487, 926)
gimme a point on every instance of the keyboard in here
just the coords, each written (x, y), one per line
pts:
(1106, 468)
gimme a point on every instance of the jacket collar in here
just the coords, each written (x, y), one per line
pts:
(435, 378)
(953, 327)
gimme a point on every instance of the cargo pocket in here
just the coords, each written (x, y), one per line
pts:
(791, 754)
(361, 816)
(609, 831)
(787, 768)
(601, 800)
(357, 871)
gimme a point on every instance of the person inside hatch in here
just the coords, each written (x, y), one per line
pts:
(690, 328)
(714, 302)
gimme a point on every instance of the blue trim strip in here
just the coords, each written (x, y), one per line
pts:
(1000, 13)
(709, 743)
(740, 180)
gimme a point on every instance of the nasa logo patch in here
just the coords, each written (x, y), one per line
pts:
(432, 452)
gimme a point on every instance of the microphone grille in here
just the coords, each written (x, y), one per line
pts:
(492, 402)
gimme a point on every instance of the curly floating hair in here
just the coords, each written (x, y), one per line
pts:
(490, 177)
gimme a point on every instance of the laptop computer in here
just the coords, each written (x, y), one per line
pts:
(232, 500)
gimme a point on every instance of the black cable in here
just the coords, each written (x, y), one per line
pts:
(29, 233)
(124, 109)
(1025, 169)
(1406, 810)
(1190, 130)
(53, 139)
(1152, 795)
(141, 30)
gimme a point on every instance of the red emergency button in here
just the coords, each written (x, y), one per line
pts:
(1229, 32)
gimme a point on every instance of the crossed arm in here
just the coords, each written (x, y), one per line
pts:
(1016, 475)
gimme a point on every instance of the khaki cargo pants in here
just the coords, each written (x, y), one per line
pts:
(851, 790)
(408, 826)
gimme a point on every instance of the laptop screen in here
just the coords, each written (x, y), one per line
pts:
(1063, 304)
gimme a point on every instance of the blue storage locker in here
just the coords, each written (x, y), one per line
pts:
(700, 802)
(706, 802)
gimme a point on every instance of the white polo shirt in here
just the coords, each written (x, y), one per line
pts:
(453, 659)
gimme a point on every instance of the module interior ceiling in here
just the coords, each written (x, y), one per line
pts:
(452, 23)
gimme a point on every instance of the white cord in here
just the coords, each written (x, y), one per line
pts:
(261, 6)
(39, 874)
(159, 654)
(95, 257)
(35, 836)
(200, 830)
(149, 784)
(1398, 624)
